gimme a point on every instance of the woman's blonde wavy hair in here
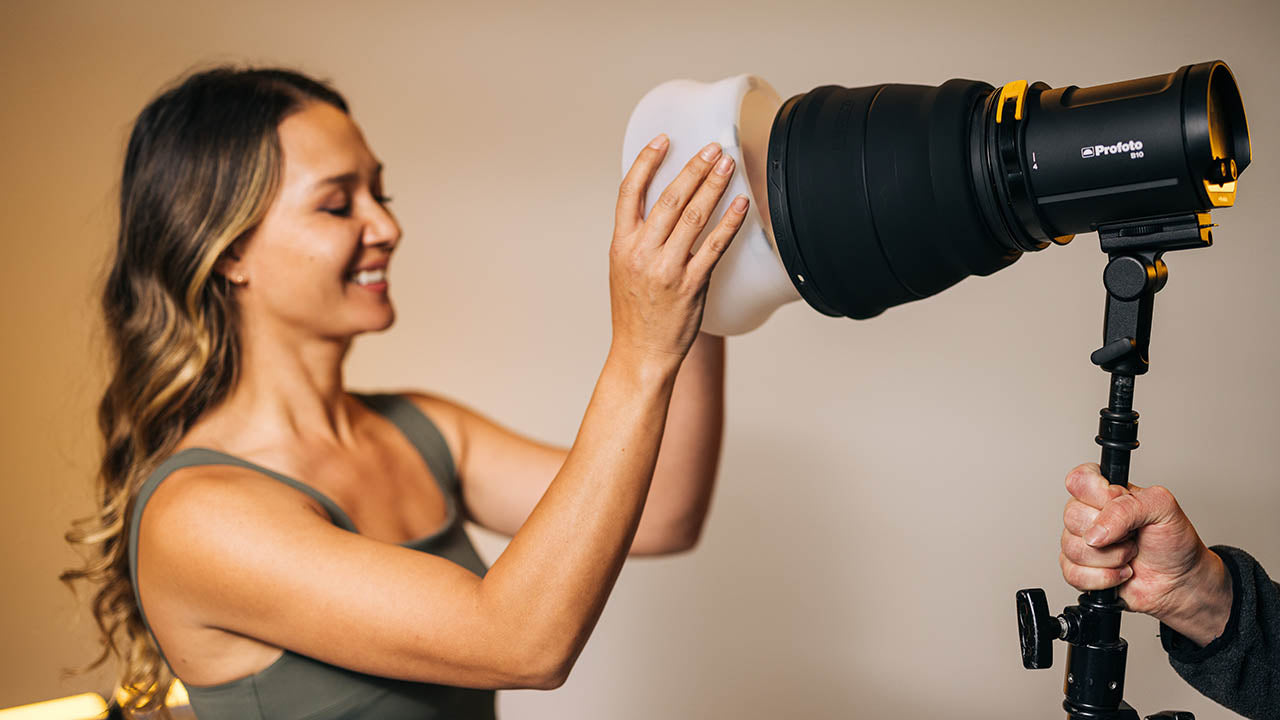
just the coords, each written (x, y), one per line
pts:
(202, 166)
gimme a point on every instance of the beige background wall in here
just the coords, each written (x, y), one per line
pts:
(886, 485)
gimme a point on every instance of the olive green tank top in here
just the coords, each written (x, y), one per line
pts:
(296, 687)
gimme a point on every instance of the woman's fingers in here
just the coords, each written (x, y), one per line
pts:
(698, 212)
(629, 213)
(671, 203)
(704, 261)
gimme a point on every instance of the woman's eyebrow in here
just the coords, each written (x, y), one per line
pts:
(345, 178)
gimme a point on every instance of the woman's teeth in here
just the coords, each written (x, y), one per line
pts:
(369, 277)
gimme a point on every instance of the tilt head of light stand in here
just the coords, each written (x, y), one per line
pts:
(1094, 685)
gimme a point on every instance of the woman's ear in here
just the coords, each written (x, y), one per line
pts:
(230, 263)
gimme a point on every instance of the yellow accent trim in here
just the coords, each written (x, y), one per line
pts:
(1206, 226)
(1223, 195)
(1063, 239)
(1206, 223)
(1016, 90)
(85, 706)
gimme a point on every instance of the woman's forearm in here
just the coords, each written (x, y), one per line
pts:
(550, 584)
(685, 474)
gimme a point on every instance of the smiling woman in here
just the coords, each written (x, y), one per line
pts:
(290, 548)
(329, 215)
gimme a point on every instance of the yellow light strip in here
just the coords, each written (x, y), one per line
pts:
(177, 696)
(87, 706)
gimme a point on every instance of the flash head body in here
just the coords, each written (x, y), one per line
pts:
(890, 193)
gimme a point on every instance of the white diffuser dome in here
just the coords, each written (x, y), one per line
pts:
(749, 282)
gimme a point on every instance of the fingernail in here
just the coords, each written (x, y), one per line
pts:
(659, 142)
(725, 164)
(1095, 535)
(710, 152)
(739, 204)
(1126, 573)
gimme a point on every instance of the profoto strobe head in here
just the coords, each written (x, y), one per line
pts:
(886, 194)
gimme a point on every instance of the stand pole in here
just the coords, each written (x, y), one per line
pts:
(1094, 684)
(1096, 653)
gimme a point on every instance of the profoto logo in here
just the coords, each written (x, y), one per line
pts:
(1133, 147)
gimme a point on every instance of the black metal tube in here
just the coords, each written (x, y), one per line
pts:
(1094, 684)
(1118, 436)
(1118, 431)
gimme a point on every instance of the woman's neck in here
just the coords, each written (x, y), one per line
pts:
(289, 391)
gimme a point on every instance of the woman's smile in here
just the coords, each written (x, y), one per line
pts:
(373, 278)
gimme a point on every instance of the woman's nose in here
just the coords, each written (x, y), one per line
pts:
(382, 229)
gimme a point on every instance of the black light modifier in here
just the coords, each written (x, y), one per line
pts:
(886, 194)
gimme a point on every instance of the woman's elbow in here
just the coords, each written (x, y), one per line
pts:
(540, 666)
(550, 681)
(671, 538)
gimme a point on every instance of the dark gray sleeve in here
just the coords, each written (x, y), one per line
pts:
(1240, 669)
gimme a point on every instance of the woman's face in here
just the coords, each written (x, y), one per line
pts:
(317, 263)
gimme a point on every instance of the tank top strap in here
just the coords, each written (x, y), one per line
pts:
(421, 432)
(205, 456)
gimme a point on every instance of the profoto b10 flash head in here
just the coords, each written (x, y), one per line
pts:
(886, 194)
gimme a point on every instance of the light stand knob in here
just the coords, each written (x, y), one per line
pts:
(1037, 629)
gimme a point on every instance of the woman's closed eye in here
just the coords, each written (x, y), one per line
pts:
(344, 210)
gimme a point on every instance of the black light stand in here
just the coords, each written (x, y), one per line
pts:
(1094, 685)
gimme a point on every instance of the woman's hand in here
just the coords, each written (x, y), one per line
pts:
(657, 287)
(1139, 539)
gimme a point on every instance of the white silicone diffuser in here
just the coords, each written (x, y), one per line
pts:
(749, 282)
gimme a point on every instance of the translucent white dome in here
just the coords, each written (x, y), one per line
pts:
(749, 282)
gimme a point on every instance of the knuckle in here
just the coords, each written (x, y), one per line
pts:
(1079, 517)
(716, 180)
(1070, 571)
(1067, 542)
(1159, 495)
(693, 217)
(669, 199)
(669, 278)
(1128, 552)
(629, 189)
(1123, 504)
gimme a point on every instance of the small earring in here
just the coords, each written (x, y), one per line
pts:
(240, 280)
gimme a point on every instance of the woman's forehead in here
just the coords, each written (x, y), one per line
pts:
(321, 141)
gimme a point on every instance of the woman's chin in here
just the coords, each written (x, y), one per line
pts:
(384, 323)
(376, 322)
